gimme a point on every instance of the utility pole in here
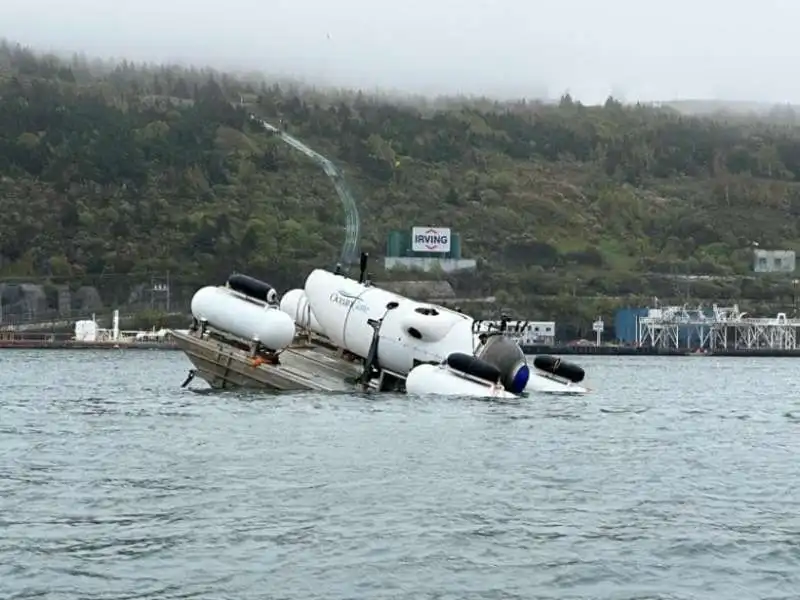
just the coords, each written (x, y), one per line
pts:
(598, 326)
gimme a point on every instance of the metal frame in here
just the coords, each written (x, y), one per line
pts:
(726, 328)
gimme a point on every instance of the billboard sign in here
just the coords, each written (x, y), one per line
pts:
(430, 239)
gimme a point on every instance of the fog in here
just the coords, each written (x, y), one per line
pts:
(682, 49)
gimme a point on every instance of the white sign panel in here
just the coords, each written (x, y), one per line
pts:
(430, 239)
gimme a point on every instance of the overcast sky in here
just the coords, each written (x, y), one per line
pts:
(732, 49)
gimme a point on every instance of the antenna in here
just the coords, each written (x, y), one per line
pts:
(363, 267)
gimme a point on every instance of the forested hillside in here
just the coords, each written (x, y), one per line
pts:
(128, 169)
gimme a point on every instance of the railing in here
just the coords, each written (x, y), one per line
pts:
(711, 322)
(42, 338)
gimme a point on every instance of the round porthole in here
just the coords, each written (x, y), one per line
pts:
(413, 332)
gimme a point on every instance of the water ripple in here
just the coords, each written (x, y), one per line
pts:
(659, 485)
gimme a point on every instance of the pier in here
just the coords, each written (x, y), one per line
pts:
(54, 341)
(89, 336)
(718, 330)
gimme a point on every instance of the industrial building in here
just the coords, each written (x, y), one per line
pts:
(426, 249)
(774, 261)
(525, 333)
(705, 328)
(626, 324)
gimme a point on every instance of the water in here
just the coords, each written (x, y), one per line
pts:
(677, 478)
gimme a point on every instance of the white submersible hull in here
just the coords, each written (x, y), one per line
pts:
(376, 339)
(435, 349)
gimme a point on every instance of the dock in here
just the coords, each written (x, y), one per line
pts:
(610, 350)
(88, 335)
(603, 350)
(718, 331)
(697, 331)
(55, 341)
(305, 365)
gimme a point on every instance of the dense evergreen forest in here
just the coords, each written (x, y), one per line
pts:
(128, 169)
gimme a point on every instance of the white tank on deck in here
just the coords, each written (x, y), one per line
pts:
(86, 330)
(295, 304)
(249, 320)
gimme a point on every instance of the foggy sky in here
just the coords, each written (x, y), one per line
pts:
(638, 50)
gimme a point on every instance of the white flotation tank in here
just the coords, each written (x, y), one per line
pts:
(441, 380)
(246, 319)
(295, 304)
(542, 384)
(554, 375)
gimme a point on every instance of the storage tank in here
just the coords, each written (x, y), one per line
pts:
(626, 324)
(86, 331)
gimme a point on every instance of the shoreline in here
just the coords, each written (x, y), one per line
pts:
(592, 350)
(77, 345)
(585, 350)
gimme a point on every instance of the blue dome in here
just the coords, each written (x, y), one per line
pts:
(520, 379)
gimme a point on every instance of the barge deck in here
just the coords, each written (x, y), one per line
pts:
(304, 366)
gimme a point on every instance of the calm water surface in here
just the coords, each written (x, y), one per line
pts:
(677, 478)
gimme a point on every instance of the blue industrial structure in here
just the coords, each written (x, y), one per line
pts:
(626, 324)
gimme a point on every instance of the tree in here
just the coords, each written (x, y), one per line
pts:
(127, 167)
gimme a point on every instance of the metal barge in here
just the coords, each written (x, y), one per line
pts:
(342, 335)
(307, 364)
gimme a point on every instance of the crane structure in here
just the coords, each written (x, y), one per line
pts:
(352, 224)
